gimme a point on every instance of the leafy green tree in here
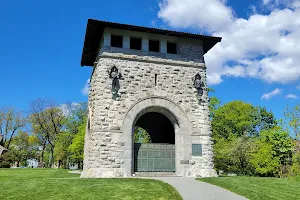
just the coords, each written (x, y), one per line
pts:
(234, 118)
(263, 160)
(281, 143)
(77, 147)
(77, 117)
(6, 159)
(141, 135)
(295, 169)
(47, 120)
(224, 158)
(24, 147)
(264, 120)
(292, 116)
(232, 155)
(61, 150)
(214, 103)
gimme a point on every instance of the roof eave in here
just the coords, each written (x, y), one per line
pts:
(94, 31)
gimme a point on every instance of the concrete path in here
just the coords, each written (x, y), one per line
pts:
(191, 189)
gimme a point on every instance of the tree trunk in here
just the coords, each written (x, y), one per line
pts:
(52, 157)
(43, 151)
(10, 139)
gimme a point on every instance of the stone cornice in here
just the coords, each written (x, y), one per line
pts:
(152, 59)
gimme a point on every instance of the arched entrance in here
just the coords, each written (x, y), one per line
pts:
(158, 126)
(154, 148)
(175, 115)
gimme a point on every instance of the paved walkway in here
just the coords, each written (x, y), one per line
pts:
(191, 189)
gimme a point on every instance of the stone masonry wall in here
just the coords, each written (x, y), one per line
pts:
(174, 82)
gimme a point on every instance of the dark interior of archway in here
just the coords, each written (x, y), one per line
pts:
(158, 126)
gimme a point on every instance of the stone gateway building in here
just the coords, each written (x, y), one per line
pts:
(149, 78)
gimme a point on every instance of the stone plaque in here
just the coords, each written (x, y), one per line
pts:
(184, 162)
(196, 149)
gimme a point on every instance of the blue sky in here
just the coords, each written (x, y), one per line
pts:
(41, 45)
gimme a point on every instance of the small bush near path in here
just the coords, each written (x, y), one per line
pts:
(59, 184)
(258, 188)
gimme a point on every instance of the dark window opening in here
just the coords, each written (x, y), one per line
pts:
(159, 128)
(172, 48)
(136, 43)
(154, 45)
(155, 79)
(116, 41)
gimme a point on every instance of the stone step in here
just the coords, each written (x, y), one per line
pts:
(156, 174)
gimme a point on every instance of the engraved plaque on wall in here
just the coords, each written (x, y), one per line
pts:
(184, 162)
(196, 149)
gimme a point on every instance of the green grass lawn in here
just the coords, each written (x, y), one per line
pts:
(257, 188)
(59, 184)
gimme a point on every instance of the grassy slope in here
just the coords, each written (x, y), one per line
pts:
(257, 188)
(59, 184)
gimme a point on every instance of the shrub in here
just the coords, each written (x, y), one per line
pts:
(6, 159)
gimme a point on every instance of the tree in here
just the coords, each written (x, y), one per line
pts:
(77, 147)
(141, 135)
(6, 159)
(61, 150)
(264, 120)
(232, 155)
(77, 116)
(47, 121)
(234, 118)
(24, 147)
(292, 116)
(263, 160)
(214, 103)
(11, 120)
(281, 143)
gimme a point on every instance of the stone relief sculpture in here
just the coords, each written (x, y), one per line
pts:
(198, 84)
(115, 86)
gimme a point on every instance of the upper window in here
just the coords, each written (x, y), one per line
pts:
(116, 41)
(154, 45)
(171, 47)
(135, 43)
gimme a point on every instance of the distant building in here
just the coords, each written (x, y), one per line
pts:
(73, 166)
(32, 163)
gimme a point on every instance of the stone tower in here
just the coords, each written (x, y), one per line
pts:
(153, 80)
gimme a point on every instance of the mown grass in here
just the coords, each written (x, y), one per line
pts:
(258, 188)
(59, 184)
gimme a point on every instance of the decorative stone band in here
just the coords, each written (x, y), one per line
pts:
(198, 133)
(152, 59)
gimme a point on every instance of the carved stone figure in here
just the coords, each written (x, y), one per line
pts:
(115, 76)
(198, 85)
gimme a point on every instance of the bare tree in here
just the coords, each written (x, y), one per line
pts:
(11, 120)
(47, 121)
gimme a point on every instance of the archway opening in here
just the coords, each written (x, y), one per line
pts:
(159, 128)
(154, 148)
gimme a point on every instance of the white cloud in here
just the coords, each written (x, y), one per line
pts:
(268, 96)
(266, 1)
(276, 3)
(65, 109)
(263, 46)
(212, 16)
(86, 88)
(291, 96)
(68, 108)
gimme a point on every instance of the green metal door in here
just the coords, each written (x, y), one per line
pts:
(154, 157)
